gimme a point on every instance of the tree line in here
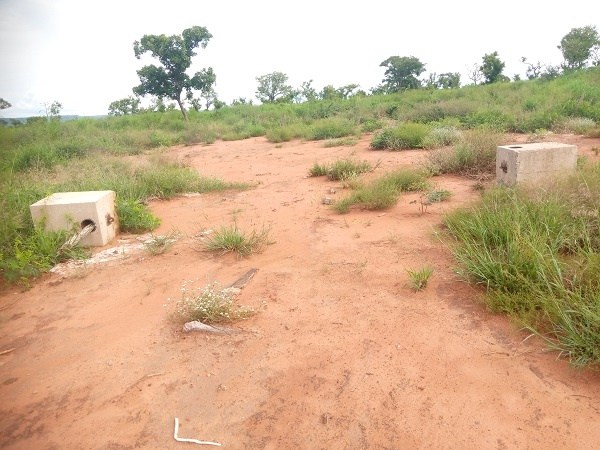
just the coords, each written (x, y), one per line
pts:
(169, 80)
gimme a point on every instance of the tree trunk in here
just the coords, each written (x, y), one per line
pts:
(182, 108)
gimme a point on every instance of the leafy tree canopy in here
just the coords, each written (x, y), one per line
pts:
(492, 68)
(52, 110)
(579, 46)
(401, 73)
(125, 106)
(175, 55)
(330, 92)
(307, 92)
(273, 88)
(4, 104)
(449, 80)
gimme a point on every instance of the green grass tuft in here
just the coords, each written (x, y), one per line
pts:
(232, 239)
(419, 278)
(382, 192)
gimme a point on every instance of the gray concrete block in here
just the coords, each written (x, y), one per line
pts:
(533, 162)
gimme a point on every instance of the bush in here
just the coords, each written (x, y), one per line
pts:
(286, 133)
(474, 155)
(135, 217)
(493, 119)
(330, 128)
(575, 125)
(403, 136)
(441, 136)
(371, 125)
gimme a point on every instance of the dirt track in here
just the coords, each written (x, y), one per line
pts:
(344, 355)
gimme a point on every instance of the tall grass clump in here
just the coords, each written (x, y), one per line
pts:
(474, 155)
(341, 169)
(537, 252)
(233, 239)
(400, 137)
(382, 192)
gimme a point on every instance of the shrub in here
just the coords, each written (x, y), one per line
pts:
(135, 217)
(318, 170)
(441, 136)
(474, 155)
(286, 133)
(371, 125)
(575, 125)
(438, 195)
(492, 119)
(403, 136)
(334, 127)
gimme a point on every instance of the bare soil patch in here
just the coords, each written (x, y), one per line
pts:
(344, 355)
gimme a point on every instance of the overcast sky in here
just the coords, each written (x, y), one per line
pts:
(80, 52)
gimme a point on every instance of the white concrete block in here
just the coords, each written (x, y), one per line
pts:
(74, 210)
(533, 162)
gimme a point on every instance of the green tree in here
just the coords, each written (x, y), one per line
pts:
(534, 70)
(401, 73)
(447, 80)
(4, 104)
(492, 68)
(241, 101)
(175, 55)
(307, 91)
(210, 98)
(125, 106)
(580, 46)
(52, 110)
(272, 88)
(329, 93)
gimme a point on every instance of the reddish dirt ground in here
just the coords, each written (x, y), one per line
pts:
(343, 356)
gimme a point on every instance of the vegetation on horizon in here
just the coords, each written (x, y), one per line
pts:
(48, 155)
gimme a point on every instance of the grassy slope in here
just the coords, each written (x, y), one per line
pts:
(552, 250)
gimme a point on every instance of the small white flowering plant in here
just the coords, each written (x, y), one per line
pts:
(209, 304)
